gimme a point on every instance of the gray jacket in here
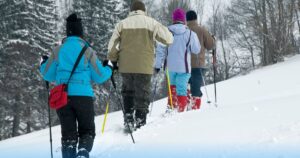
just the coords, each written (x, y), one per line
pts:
(179, 53)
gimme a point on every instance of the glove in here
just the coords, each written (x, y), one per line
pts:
(44, 59)
(214, 37)
(156, 70)
(108, 63)
(115, 65)
(63, 40)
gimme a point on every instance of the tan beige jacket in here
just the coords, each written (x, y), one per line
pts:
(133, 42)
(206, 41)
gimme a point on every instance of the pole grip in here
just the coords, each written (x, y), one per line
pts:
(47, 85)
(214, 57)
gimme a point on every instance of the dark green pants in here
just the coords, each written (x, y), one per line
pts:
(136, 92)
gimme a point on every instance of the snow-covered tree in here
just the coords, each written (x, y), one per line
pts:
(99, 18)
(28, 30)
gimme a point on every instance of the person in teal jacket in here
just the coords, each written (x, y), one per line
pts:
(77, 117)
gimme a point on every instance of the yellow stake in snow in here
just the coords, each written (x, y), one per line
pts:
(105, 116)
(169, 87)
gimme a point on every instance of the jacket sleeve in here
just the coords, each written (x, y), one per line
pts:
(195, 46)
(208, 40)
(160, 52)
(99, 73)
(48, 69)
(162, 34)
(113, 45)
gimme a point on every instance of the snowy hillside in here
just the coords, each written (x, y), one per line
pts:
(258, 116)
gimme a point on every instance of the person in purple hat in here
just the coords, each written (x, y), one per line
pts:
(178, 58)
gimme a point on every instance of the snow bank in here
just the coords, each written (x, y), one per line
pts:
(257, 116)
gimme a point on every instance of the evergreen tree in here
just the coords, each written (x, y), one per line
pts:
(125, 8)
(28, 30)
(99, 19)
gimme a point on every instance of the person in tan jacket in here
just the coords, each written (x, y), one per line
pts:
(132, 46)
(198, 62)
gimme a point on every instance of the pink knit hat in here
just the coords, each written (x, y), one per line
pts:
(178, 15)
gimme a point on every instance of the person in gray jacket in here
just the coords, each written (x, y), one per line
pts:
(178, 60)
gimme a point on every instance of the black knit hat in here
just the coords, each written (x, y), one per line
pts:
(74, 26)
(138, 5)
(191, 15)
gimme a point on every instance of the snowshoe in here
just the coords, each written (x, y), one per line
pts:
(129, 127)
(140, 123)
(83, 153)
(169, 111)
(69, 148)
(128, 123)
(140, 118)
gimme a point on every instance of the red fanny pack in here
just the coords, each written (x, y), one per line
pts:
(58, 97)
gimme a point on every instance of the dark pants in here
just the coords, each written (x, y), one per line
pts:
(196, 82)
(80, 110)
(136, 92)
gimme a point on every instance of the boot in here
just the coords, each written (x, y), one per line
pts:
(69, 148)
(85, 146)
(174, 97)
(128, 123)
(141, 117)
(128, 107)
(83, 153)
(182, 102)
(196, 103)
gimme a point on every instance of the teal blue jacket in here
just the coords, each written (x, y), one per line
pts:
(59, 66)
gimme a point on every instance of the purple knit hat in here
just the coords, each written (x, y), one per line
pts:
(178, 15)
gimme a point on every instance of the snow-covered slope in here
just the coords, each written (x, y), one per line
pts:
(258, 116)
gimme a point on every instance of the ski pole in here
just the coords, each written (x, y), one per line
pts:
(49, 119)
(215, 71)
(154, 93)
(105, 116)
(106, 111)
(203, 80)
(169, 87)
(121, 105)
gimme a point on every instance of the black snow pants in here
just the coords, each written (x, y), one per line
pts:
(77, 124)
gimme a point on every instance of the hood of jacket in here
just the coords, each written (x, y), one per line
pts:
(178, 29)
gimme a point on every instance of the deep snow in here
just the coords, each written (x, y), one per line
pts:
(257, 116)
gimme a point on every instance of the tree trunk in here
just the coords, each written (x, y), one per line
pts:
(266, 52)
(224, 55)
(28, 118)
(297, 15)
(274, 33)
(16, 117)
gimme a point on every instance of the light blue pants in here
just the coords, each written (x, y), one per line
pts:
(180, 80)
